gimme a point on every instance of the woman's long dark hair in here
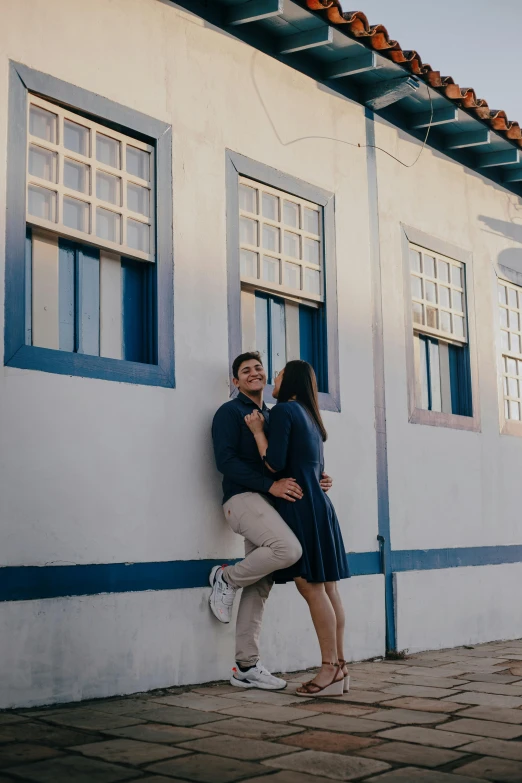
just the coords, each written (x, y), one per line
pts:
(299, 382)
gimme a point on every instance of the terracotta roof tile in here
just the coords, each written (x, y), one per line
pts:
(376, 37)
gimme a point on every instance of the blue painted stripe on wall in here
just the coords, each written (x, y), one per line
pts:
(458, 557)
(25, 583)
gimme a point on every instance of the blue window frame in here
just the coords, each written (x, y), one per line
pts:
(145, 313)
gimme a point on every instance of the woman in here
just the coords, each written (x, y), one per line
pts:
(295, 448)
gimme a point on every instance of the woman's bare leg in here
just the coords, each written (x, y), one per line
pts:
(325, 624)
(335, 599)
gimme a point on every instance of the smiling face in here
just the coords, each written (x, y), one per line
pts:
(251, 377)
(277, 384)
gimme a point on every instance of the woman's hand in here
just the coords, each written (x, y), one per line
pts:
(255, 422)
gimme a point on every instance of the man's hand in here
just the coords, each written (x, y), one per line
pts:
(326, 482)
(286, 488)
(255, 422)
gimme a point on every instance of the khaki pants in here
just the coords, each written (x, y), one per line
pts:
(269, 546)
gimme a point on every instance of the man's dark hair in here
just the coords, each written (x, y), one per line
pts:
(244, 357)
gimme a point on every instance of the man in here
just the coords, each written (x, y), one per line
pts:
(269, 543)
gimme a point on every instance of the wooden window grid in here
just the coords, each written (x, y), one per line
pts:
(54, 188)
(438, 295)
(510, 312)
(273, 250)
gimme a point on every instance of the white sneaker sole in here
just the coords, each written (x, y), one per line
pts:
(211, 581)
(264, 687)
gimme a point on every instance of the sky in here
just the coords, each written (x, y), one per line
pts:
(477, 42)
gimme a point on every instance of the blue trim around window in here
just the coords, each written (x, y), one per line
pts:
(17, 349)
(238, 165)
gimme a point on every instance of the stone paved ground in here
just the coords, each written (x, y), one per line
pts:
(453, 716)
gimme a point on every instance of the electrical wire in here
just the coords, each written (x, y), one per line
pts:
(339, 141)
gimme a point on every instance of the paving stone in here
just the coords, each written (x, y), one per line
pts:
(438, 671)
(404, 753)
(127, 751)
(264, 712)
(119, 706)
(89, 719)
(343, 723)
(329, 765)
(368, 685)
(11, 717)
(487, 699)
(287, 776)
(255, 729)
(329, 741)
(73, 769)
(338, 708)
(493, 687)
(158, 732)
(423, 736)
(229, 746)
(516, 670)
(43, 733)
(207, 769)
(501, 770)
(495, 747)
(420, 691)
(484, 728)
(22, 751)
(364, 697)
(492, 713)
(195, 701)
(279, 698)
(404, 716)
(416, 775)
(152, 779)
(216, 690)
(499, 678)
(428, 682)
(424, 705)
(175, 716)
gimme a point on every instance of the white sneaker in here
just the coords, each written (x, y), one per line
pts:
(256, 677)
(222, 596)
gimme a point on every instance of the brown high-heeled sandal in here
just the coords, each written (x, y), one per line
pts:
(344, 666)
(311, 690)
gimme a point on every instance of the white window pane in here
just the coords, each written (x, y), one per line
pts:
(444, 296)
(75, 214)
(108, 151)
(248, 199)
(311, 251)
(311, 220)
(312, 281)
(270, 206)
(502, 294)
(513, 387)
(248, 263)
(292, 275)
(291, 214)
(417, 313)
(138, 199)
(138, 235)
(270, 237)
(504, 317)
(511, 366)
(520, 368)
(76, 175)
(415, 260)
(108, 225)
(416, 287)
(456, 276)
(431, 317)
(514, 320)
(429, 266)
(270, 269)
(138, 162)
(42, 203)
(514, 410)
(445, 321)
(76, 137)
(43, 124)
(291, 245)
(443, 271)
(505, 386)
(504, 340)
(108, 188)
(506, 409)
(42, 163)
(512, 297)
(430, 291)
(458, 326)
(515, 343)
(248, 231)
(457, 301)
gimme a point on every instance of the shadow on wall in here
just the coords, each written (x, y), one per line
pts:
(511, 257)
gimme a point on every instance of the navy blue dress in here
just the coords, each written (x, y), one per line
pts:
(295, 448)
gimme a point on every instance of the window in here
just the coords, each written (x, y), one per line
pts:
(439, 327)
(97, 276)
(282, 280)
(510, 312)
